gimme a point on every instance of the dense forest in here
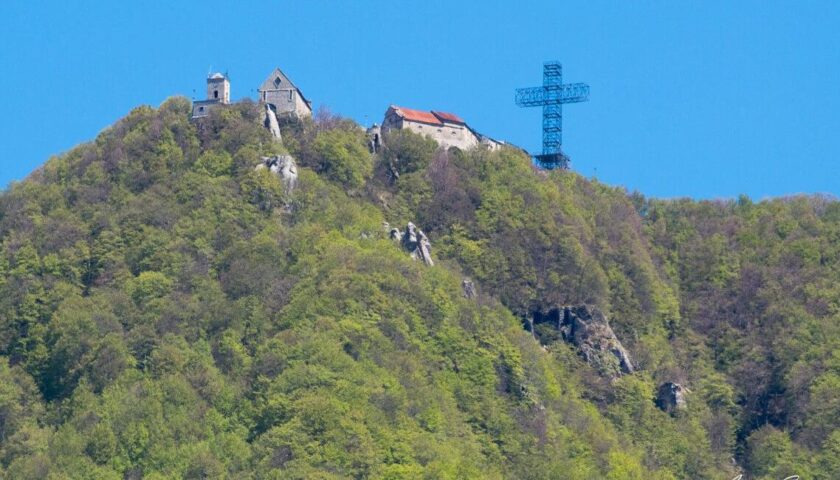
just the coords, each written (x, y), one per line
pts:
(169, 311)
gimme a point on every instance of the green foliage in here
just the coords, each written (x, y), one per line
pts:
(214, 163)
(262, 188)
(407, 151)
(770, 454)
(343, 156)
(168, 311)
(148, 286)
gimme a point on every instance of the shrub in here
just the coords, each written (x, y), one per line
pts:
(214, 163)
(343, 157)
(407, 152)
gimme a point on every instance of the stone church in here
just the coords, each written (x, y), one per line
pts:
(277, 92)
(283, 97)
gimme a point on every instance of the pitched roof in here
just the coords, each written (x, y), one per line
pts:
(286, 82)
(216, 76)
(448, 117)
(416, 115)
(433, 118)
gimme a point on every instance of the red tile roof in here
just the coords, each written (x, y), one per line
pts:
(448, 117)
(416, 115)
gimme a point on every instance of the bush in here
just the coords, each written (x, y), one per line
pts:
(148, 286)
(214, 163)
(262, 188)
(343, 157)
(406, 151)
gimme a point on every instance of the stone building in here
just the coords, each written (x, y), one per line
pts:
(279, 93)
(447, 129)
(218, 93)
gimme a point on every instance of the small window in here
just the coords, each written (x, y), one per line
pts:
(277, 82)
(200, 109)
(215, 94)
(290, 94)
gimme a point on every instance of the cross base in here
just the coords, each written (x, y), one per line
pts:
(550, 161)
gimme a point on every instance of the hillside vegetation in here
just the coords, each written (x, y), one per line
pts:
(168, 311)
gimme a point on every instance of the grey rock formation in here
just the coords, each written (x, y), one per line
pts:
(283, 166)
(414, 240)
(393, 233)
(469, 288)
(671, 397)
(270, 122)
(374, 135)
(588, 330)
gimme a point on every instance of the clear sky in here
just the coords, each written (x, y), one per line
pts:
(703, 99)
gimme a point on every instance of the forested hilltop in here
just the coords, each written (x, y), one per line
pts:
(169, 311)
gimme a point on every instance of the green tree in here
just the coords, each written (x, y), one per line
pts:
(343, 156)
(214, 163)
(407, 152)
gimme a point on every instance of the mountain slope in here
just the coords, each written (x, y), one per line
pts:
(168, 311)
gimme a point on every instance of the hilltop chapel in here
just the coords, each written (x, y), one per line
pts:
(282, 96)
(277, 92)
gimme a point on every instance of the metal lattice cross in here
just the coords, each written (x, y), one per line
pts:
(551, 97)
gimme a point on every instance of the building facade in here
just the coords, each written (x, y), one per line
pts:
(218, 93)
(279, 93)
(447, 129)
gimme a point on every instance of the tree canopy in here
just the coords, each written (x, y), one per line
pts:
(168, 311)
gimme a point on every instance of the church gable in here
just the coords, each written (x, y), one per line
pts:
(277, 81)
(283, 96)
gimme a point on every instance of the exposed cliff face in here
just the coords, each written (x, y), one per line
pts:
(588, 330)
(414, 241)
(283, 166)
(469, 288)
(671, 397)
(270, 122)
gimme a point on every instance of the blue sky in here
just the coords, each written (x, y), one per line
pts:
(703, 99)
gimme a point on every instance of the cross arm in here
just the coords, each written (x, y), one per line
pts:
(553, 95)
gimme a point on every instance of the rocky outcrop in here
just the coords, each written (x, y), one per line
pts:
(414, 241)
(374, 135)
(469, 288)
(671, 397)
(270, 122)
(393, 233)
(283, 166)
(586, 328)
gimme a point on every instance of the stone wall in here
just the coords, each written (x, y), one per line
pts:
(220, 85)
(446, 135)
(279, 92)
(286, 100)
(202, 108)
